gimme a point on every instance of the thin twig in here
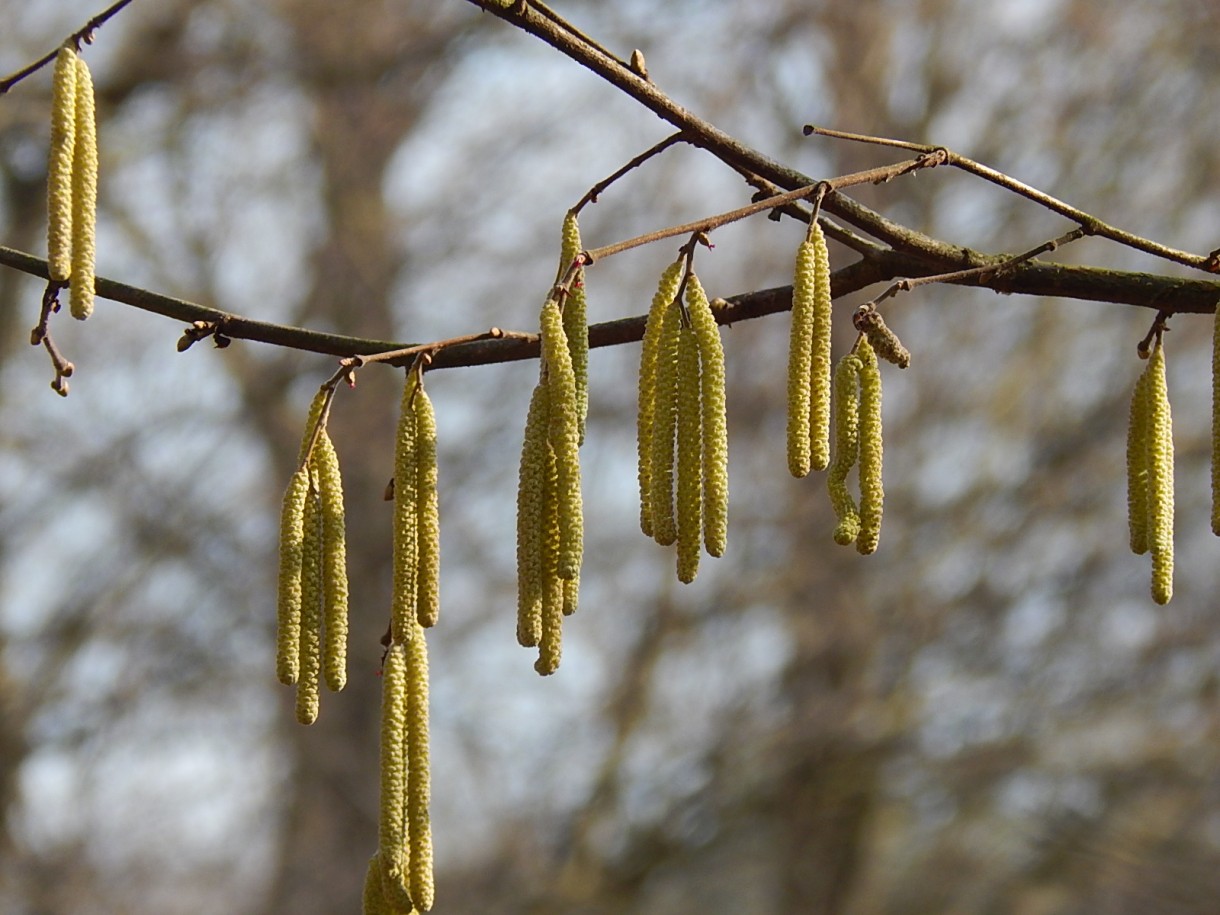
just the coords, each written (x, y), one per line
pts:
(1091, 224)
(84, 34)
(594, 192)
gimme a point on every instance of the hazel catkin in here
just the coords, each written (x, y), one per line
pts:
(419, 777)
(713, 402)
(576, 318)
(564, 437)
(664, 428)
(309, 643)
(689, 458)
(847, 448)
(406, 518)
(800, 363)
(59, 165)
(325, 463)
(427, 513)
(84, 195)
(1160, 478)
(531, 502)
(392, 811)
(292, 545)
(872, 493)
(884, 341)
(667, 289)
(1137, 465)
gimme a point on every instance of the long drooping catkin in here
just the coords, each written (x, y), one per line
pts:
(292, 545)
(689, 458)
(847, 448)
(872, 493)
(713, 401)
(309, 644)
(59, 165)
(1216, 422)
(550, 613)
(419, 777)
(809, 357)
(664, 429)
(1160, 478)
(325, 464)
(406, 517)
(392, 841)
(1137, 465)
(427, 513)
(576, 318)
(667, 289)
(84, 195)
(563, 434)
(531, 504)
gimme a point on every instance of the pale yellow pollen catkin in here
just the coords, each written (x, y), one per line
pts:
(419, 774)
(292, 544)
(872, 493)
(576, 319)
(392, 812)
(563, 433)
(571, 595)
(689, 460)
(334, 562)
(1160, 479)
(667, 289)
(1137, 465)
(820, 370)
(847, 448)
(59, 165)
(531, 503)
(427, 507)
(84, 196)
(800, 364)
(715, 419)
(309, 648)
(1216, 422)
(550, 640)
(406, 518)
(664, 429)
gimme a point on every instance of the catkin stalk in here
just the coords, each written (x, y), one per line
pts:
(334, 562)
(292, 546)
(715, 419)
(59, 165)
(847, 448)
(872, 493)
(428, 525)
(419, 778)
(667, 289)
(689, 458)
(1160, 479)
(84, 195)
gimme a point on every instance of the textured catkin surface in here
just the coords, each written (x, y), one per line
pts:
(84, 195)
(713, 401)
(563, 434)
(531, 501)
(667, 289)
(689, 458)
(800, 363)
(292, 546)
(406, 528)
(1137, 465)
(427, 513)
(1160, 479)
(847, 448)
(334, 563)
(872, 493)
(59, 165)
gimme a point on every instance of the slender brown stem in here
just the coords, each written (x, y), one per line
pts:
(84, 34)
(594, 192)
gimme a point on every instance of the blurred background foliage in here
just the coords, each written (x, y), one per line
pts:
(990, 715)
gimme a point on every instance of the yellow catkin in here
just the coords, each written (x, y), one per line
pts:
(563, 433)
(84, 195)
(847, 448)
(531, 500)
(872, 493)
(576, 319)
(310, 642)
(667, 289)
(59, 165)
(819, 407)
(1137, 466)
(392, 812)
(550, 639)
(571, 595)
(427, 508)
(334, 563)
(689, 461)
(292, 543)
(1160, 479)
(406, 528)
(373, 901)
(664, 428)
(715, 420)
(1216, 423)
(419, 774)
(800, 364)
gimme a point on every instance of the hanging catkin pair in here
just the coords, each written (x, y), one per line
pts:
(311, 642)
(72, 180)
(399, 878)
(809, 357)
(417, 530)
(857, 428)
(682, 429)
(550, 520)
(1150, 473)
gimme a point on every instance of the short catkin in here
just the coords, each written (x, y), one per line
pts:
(847, 448)
(1160, 478)
(576, 318)
(325, 463)
(427, 512)
(667, 290)
(1137, 465)
(712, 398)
(872, 493)
(59, 165)
(84, 196)
(884, 341)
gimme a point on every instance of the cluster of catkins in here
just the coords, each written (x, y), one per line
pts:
(72, 180)
(856, 387)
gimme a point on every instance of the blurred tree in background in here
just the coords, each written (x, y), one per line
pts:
(988, 716)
